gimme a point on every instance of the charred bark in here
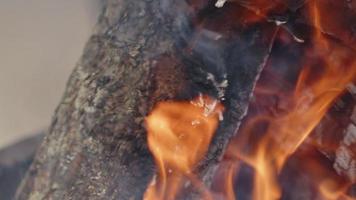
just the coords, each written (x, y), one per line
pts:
(148, 51)
(143, 52)
(336, 135)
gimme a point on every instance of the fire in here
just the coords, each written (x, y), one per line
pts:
(313, 96)
(327, 69)
(179, 134)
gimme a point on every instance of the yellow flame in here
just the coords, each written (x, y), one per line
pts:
(179, 134)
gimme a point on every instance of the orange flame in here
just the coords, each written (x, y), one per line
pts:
(179, 134)
(286, 133)
(319, 84)
(330, 185)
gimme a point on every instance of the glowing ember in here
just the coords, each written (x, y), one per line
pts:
(178, 136)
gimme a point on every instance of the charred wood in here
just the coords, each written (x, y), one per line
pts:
(141, 53)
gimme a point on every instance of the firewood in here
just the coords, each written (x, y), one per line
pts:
(141, 53)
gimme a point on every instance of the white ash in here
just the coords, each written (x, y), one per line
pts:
(220, 3)
(209, 108)
(343, 158)
(278, 22)
(352, 89)
(296, 38)
(345, 164)
(220, 86)
(350, 136)
(345, 161)
(300, 40)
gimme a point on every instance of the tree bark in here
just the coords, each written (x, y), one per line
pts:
(140, 53)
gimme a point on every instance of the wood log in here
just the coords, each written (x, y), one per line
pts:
(140, 53)
(337, 18)
(336, 135)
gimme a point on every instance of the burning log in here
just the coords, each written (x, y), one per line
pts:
(279, 124)
(163, 86)
(143, 53)
(335, 135)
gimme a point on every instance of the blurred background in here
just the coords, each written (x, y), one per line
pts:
(40, 43)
